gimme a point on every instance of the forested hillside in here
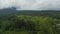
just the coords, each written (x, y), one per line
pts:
(24, 24)
(29, 22)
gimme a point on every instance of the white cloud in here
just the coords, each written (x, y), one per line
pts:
(31, 4)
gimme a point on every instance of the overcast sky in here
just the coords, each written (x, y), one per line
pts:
(31, 4)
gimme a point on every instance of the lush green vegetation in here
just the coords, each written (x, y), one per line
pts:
(29, 24)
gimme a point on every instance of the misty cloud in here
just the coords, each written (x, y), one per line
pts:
(31, 4)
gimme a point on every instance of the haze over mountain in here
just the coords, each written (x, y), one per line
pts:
(14, 11)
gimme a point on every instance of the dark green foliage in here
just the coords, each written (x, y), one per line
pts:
(32, 24)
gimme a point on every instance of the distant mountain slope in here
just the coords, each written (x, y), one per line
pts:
(13, 10)
(5, 13)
